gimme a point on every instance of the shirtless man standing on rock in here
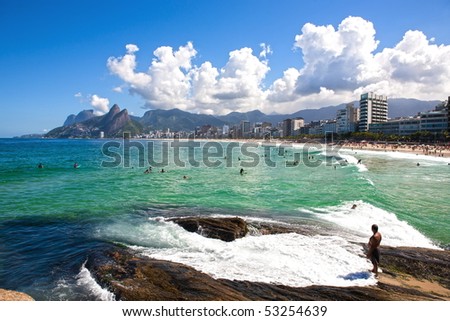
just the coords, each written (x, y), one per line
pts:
(374, 254)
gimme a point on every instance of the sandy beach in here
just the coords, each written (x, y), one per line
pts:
(440, 151)
(416, 149)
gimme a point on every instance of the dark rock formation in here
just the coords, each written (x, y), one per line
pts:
(266, 228)
(112, 124)
(109, 116)
(132, 277)
(116, 123)
(225, 229)
(409, 273)
(230, 228)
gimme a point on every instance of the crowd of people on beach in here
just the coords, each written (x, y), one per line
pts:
(418, 149)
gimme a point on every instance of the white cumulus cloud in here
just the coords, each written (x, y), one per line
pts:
(344, 61)
(415, 67)
(166, 84)
(172, 81)
(338, 64)
(101, 105)
(336, 59)
(240, 80)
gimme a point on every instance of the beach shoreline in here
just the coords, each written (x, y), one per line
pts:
(417, 149)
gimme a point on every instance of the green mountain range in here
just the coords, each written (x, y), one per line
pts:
(86, 125)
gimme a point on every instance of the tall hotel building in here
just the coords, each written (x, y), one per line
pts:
(373, 109)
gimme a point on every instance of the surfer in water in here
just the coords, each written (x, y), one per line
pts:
(373, 253)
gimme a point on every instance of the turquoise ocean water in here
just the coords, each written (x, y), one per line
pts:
(52, 219)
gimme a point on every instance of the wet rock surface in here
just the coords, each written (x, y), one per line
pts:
(229, 229)
(420, 263)
(408, 274)
(131, 277)
(225, 229)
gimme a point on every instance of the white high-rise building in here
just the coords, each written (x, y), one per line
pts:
(296, 124)
(373, 109)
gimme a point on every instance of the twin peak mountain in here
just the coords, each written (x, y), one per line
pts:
(87, 125)
(114, 123)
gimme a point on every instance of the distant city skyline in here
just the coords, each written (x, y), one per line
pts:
(59, 58)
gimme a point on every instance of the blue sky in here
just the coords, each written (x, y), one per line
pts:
(60, 57)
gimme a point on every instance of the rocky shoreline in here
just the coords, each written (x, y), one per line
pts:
(412, 274)
(408, 273)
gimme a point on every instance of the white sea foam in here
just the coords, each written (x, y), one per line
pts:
(85, 280)
(345, 159)
(289, 259)
(369, 180)
(354, 161)
(359, 220)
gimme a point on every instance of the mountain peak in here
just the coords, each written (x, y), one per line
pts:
(114, 109)
(115, 122)
(122, 113)
(80, 117)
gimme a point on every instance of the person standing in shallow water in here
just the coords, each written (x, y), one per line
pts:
(373, 253)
